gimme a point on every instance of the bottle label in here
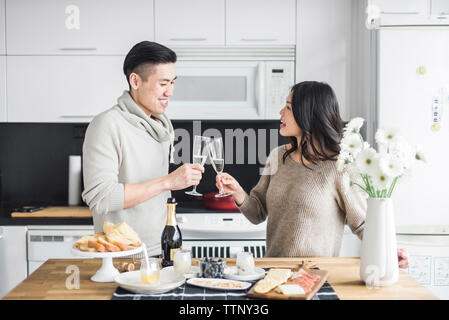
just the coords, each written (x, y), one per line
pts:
(172, 253)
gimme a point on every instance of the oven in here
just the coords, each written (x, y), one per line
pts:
(221, 235)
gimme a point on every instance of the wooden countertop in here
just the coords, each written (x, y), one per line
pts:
(49, 281)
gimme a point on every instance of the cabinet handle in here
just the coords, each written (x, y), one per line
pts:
(78, 49)
(258, 39)
(74, 116)
(398, 12)
(188, 39)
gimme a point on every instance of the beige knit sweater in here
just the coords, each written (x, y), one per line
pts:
(306, 209)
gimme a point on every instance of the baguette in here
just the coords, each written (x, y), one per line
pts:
(97, 246)
(123, 244)
(84, 247)
(121, 232)
(82, 241)
(108, 245)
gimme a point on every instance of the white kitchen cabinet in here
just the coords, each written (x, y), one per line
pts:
(13, 257)
(400, 12)
(77, 26)
(260, 22)
(401, 7)
(439, 7)
(3, 108)
(2, 27)
(193, 22)
(62, 88)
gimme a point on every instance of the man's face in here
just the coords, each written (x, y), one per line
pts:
(153, 93)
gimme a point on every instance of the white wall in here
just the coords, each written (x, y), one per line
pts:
(332, 43)
(323, 51)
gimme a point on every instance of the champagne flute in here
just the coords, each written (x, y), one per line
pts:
(200, 146)
(216, 152)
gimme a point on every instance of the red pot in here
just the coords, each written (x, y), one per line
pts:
(221, 203)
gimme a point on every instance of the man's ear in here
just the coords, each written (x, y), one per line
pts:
(134, 81)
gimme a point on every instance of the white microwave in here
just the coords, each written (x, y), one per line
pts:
(231, 89)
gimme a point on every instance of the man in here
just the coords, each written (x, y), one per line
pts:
(126, 150)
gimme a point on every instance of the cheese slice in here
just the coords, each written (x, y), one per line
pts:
(290, 289)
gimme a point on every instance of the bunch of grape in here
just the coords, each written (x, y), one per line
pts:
(212, 268)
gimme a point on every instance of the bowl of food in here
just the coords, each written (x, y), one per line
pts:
(212, 267)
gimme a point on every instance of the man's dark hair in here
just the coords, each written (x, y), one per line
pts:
(144, 55)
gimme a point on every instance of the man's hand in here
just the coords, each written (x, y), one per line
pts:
(185, 176)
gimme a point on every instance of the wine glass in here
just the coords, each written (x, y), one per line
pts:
(182, 261)
(149, 272)
(200, 146)
(216, 152)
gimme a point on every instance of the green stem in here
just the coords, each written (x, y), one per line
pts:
(393, 184)
(355, 183)
(369, 185)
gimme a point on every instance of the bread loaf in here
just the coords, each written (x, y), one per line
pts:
(115, 237)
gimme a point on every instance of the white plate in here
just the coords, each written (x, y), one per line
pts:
(231, 273)
(213, 283)
(193, 272)
(169, 280)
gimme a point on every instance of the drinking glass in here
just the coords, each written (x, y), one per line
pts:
(200, 146)
(245, 263)
(216, 152)
(149, 272)
(182, 261)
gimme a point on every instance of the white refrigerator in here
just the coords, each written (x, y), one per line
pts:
(413, 95)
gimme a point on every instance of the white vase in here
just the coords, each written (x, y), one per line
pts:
(379, 257)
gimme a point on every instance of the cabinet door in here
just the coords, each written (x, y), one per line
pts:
(256, 22)
(401, 6)
(13, 251)
(77, 26)
(62, 88)
(2, 27)
(439, 7)
(400, 12)
(3, 117)
(193, 22)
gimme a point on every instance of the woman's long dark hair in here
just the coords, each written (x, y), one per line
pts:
(315, 109)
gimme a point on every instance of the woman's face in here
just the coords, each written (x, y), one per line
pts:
(289, 127)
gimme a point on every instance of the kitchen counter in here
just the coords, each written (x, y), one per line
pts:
(6, 219)
(48, 282)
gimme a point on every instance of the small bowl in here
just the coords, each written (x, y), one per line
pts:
(212, 267)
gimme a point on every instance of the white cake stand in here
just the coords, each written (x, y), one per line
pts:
(107, 271)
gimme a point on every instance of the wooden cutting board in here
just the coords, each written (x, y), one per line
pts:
(56, 212)
(277, 296)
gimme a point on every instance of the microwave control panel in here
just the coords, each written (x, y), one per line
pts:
(280, 79)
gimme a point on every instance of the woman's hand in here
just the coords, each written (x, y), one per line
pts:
(227, 183)
(403, 258)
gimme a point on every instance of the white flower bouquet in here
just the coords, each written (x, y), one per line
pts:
(376, 173)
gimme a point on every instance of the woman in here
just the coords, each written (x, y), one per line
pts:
(300, 191)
